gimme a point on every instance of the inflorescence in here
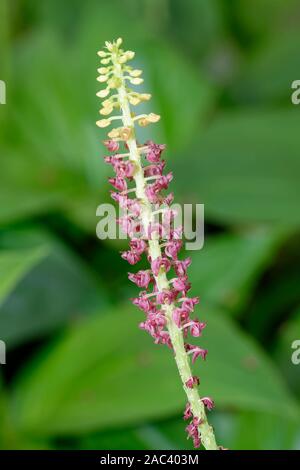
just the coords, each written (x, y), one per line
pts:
(140, 187)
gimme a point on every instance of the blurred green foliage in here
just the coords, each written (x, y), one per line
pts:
(79, 373)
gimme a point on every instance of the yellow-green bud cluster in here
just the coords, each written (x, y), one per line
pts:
(115, 73)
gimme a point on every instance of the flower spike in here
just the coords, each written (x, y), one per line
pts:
(164, 299)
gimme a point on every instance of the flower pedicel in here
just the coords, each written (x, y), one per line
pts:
(139, 187)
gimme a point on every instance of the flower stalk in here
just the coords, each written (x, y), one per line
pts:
(168, 319)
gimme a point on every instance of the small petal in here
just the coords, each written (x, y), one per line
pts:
(198, 352)
(118, 183)
(141, 278)
(103, 123)
(187, 412)
(192, 382)
(111, 145)
(208, 402)
(131, 257)
(138, 246)
(160, 263)
(172, 248)
(196, 328)
(181, 284)
(181, 266)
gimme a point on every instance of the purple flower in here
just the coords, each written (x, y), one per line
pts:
(168, 199)
(118, 183)
(163, 181)
(198, 352)
(128, 225)
(208, 402)
(192, 382)
(177, 316)
(172, 248)
(187, 412)
(160, 263)
(154, 151)
(189, 303)
(180, 315)
(141, 278)
(131, 257)
(166, 297)
(152, 192)
(193, 432)
(134, 207)
(196, 328)
(157, 319)
(138, 246)
(181, 284)
(122, 199)
(124, 169)
(143, 303)
(155, 229)
(111, 145)
(181, 266)
(154, 170)
(163, 337)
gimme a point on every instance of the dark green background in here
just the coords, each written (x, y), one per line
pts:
(79, 373)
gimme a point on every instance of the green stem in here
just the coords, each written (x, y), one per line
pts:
(176, 336)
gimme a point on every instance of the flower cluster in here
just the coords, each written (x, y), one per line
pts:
(193, 427)
(140, 187)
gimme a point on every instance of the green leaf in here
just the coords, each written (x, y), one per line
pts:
(198, 24)
(263, 431)
(106, 373)
(266, 18)
(269, 74)
(25, 201)
(52, 147)
(181, 95)
(127, 439)
(250, 380)
(172, 431)
(159, 435)
(8, 438)
(59, 288)
(226, 270)
(279, 296)
(237, 431)
(15, 264)
(246, 169)
(4, 45)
